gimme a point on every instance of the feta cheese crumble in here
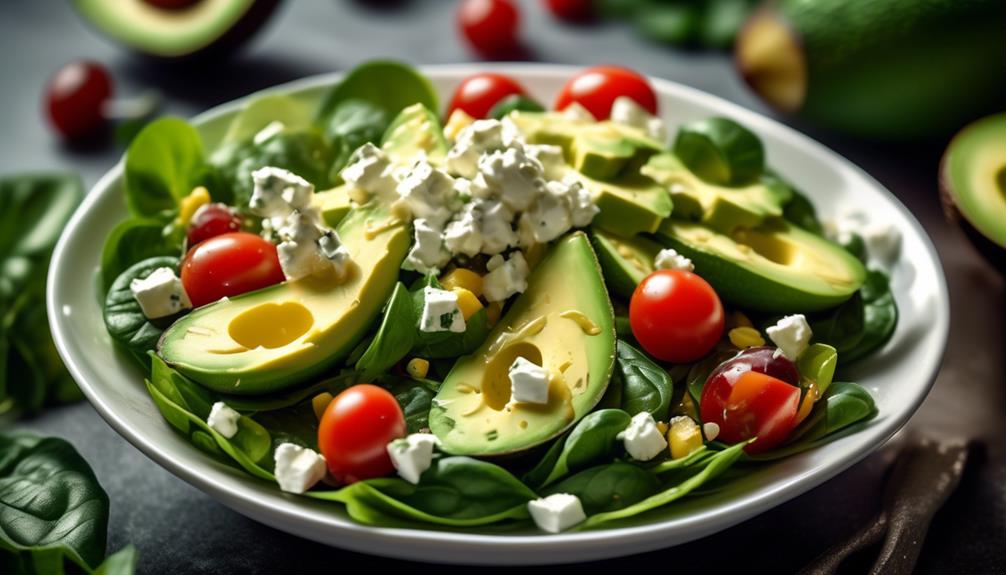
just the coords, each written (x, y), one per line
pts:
(298, 468)
(160, 294)
(369, 171)
(528, 382)
(670, 259)
(441, 311)
(791, 335)
(428, 193)
(223, 419)
(882, 240)
(625, 110)
(642, 438)
(428, 253)
(506, 277)
(412, 455)
(557, 512)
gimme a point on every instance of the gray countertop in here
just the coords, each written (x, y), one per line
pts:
(178, 529)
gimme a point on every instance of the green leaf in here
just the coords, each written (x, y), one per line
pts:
(840, 327)
(800, 211)
(132, 241)
(123, 562)
(721, 151)
(387, 85)
(395, 336)
(264, 110)
(817, 365)
(124, 319)
(514, 102)
(591, 442)
(442, 344)
(645, 385)
(880, 316)
(163, 164)
(608, 487)
(353, 124)
(676, 24)
(700, 371)
(721, 20)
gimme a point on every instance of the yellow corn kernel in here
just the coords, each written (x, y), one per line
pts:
(468, 303)
(458, 121)
(684, 436)
(745, 337)
(463, 278)
(738, 319)
(686, 407)
(190, 203)
(533, 254)
(417, 367)
(806, 404)
(320, 403)
(662, 427)
(493, 312)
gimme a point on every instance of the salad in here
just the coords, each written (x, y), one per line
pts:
(518, 316)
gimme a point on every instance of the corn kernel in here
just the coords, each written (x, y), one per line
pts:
(463, 278)
(458, 121)
(493, 312)
(684, 437)
(417, 367)
(190, 203)
(320, 403)
(662, 427)
(686, 407)
(738, 319)
(745, 337)
(467, 302)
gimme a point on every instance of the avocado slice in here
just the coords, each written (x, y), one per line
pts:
(973, 185)
(334, 205)
(776, 267)
(630, 205)
(277, 337)
(624, 261)
(415, 132)
(719, 207)
(158, 29)
(566, 328)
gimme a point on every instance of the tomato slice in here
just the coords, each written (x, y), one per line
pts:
(756, 405)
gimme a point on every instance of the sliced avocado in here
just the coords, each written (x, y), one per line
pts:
(624, 261)
(414, 132)
(719, 207)
(177, 29)
(279, 336)
(548, 128)
(973, 185)
(630, 205)
(334, 205)
(777, 267)
(567, 329)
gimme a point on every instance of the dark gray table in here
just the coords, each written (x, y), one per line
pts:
(178, 529)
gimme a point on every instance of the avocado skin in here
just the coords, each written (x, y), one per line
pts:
(898, 69)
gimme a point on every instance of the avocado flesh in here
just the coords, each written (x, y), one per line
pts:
(624, 261)
(415, 132)
(174, 33)
(566, 328)
(719, 207)
(973, 185)
(777, 267)
(334, 205)
(277, 337)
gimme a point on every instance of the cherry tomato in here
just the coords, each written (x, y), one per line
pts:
(490, 26)
(596, 89)
(355, 431)
(477, 94)
(762, 359)
(75, 96)
(751, 405)
(229, 265)
(676, 316)
(212, 220)
(571, 10)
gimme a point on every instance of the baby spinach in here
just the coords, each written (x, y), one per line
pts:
(880, 316)
(163, 164)
(442, 344)
(124, 319)
(842, 326)
(816, 365)
(414, 397)
(591, 442)
(386, 85)
(800, 211)
(353, 123)
(693, 458)
(395, 336)
(134, 240)
(645, 386)
(264, 110)
(608, 487)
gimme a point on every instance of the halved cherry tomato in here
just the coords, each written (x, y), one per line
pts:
(355, 431)
(212, 220)
(229, 265)
(596, 89)
(676, 316)
(74, 98)
(490, 26)
(477, 94)
(752, 405)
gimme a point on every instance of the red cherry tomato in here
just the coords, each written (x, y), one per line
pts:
(596, 89)
(490, 26)
(477, 94)
(212, 220)
(355, 431)
(571, 10)
(676, 316)
(229, 265)
(75, 96)
(751, 405)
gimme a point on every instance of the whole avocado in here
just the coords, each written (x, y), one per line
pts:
(883, 69)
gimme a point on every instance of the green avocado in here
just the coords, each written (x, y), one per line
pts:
(334, 205)
(776, 267)
(624, 261)
(414, 132)
(630, 205)
(719, 207)
(277, 337)
(566, 328)
(172, 29)
(973, 185)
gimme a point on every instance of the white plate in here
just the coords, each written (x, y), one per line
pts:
(899, 377)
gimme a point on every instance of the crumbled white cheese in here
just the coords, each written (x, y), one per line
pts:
(441, 311)
(223, 419)
(330, 246)
(550, 214)
(497, 230)
(298, 468)
(625, 110)
(429, 193)
(641, 438)
(577, 112)
(670, 259)
(882, 240)
(528, 382)
(370, 171)
(581, 206)
(477, 138)
(160, 294)
(463, 234)
(412, 455)
(301, 252)
(791, 334)
(513, 176)
(557, 512)
(428, 253)
(505, 277)
(277, 192)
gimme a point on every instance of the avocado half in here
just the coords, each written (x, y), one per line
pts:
(973, 185)
(177, 29)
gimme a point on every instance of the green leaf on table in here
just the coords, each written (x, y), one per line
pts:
(163, 164)
(591, 442)
(645, 386)
(123, 316)
(394, 338)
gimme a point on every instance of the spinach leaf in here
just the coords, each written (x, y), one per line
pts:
(163, 164)
(285, 399)
(880, 316)
(693, 458)
(645, 385)
(264, 110)
(133, 241)
(124, 319)
(296, 424)
(816, 365)
(386, 85)
(591, 442)
(442, 344)
(699, 372)
(801, 212)
(352, 124)
(514, 102)
(608, 487)
(840, 327)
(394, 338)
(456, 491)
